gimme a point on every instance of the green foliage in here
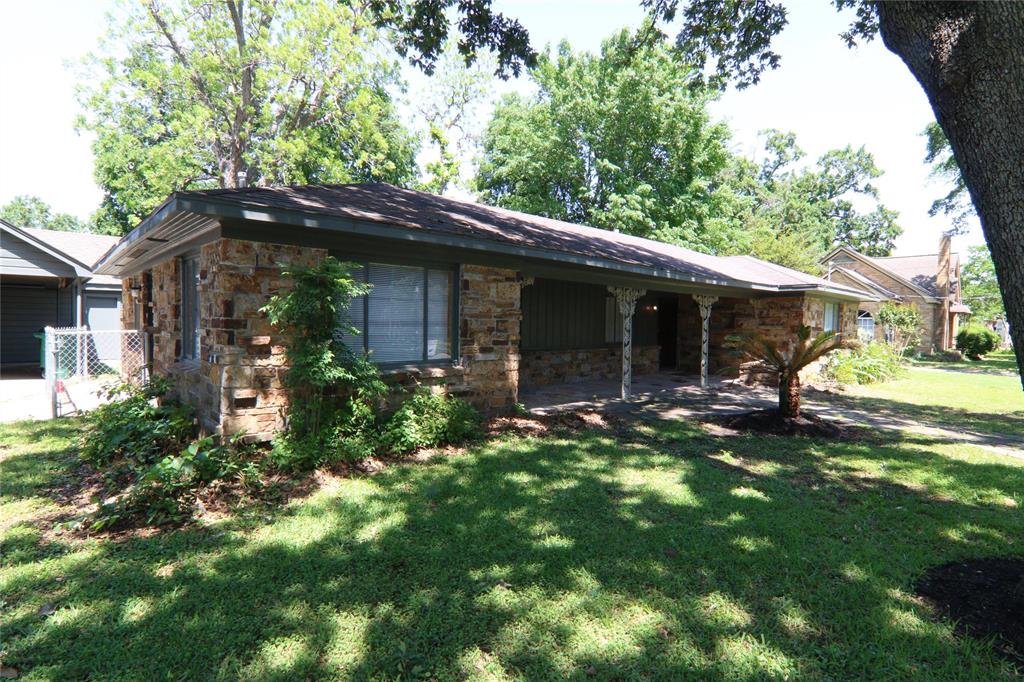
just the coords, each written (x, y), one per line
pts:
(422, 29)
(152, 469)
(166, 491)
(976, 342)
(792, 214)
(903, 324)
(957, 202)
(980, 286)
(191, 94)
(427, 420)
(784, 361)
(866, 364)
(29, 211)
(130, 426)
(448, 102)
(333, 391)
(574, 153)
(616, 140)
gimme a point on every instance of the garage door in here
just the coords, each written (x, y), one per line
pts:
(24, 310)
(102, 312)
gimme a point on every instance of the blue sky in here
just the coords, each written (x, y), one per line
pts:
(829, 95)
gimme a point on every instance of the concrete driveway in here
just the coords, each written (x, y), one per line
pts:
(23, 395)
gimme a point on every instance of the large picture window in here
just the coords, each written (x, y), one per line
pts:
(189, 308)
(408, 315)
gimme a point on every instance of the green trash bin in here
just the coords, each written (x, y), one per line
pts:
(42, 350)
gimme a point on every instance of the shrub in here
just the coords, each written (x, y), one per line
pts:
(132, 427)
(166, 491)
(902, 323)
(976, 342)
(351, 434)
(867, 364)
(427, 420)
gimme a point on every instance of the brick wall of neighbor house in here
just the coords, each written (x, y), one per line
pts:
(930, 331)
(543, 367)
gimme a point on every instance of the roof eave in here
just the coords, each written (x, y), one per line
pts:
(80, 268)
(927, 296)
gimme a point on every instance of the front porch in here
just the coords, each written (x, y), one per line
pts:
(677, 392)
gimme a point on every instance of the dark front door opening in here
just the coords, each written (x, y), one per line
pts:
(668, 330)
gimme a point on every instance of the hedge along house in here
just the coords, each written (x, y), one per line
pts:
(482, 300)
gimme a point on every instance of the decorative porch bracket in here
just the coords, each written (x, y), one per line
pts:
(627, 298)
(704, 303)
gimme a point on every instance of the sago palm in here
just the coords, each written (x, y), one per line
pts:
(768, 358)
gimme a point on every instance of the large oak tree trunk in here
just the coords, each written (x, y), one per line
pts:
(969, 58)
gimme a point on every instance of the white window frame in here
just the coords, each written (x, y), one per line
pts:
(862, 331)
(831, 323)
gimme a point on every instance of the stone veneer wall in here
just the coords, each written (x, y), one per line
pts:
(237, 383)
(489, 319)
(777, 318)
(543, 367)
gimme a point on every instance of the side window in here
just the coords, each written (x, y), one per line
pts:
(865, 326)
(832, 317)
(189, 308)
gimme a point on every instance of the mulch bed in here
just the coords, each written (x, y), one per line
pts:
(768, 421)
(985, 597)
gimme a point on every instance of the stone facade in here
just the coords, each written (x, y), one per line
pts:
(545, 367)
(489, 317)
(237, 382)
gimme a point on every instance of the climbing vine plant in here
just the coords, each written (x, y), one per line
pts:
(333, 390)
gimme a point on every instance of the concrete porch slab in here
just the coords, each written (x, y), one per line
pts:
(670, 394)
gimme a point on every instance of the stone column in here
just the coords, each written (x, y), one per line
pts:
(705, 303)
(627, 298)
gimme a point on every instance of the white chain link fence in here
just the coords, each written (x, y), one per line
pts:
(79, 362)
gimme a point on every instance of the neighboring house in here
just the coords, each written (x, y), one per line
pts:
(481, 299)
(46, 279)
(929, 283)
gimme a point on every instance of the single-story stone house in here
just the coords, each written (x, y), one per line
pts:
(930, 283)
(483, 300)
(46, 280)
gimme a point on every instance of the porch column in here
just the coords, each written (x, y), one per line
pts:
(704, 303)
(627, 298)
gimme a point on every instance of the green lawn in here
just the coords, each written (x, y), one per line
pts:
(987, 403)
(657, 553)
(1000, 361)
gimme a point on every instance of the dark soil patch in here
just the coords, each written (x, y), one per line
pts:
(768, 421)
(984, 596)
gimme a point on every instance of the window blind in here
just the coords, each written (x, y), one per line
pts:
(406, 317)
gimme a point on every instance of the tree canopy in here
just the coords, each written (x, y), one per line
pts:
(980, 287)
(614, 140)
(622, 140)
(29, 211)
(196, 94)
(956, 204)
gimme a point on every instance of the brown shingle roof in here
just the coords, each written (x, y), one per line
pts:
(920, 270)
(84, 247)
(383, 203)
